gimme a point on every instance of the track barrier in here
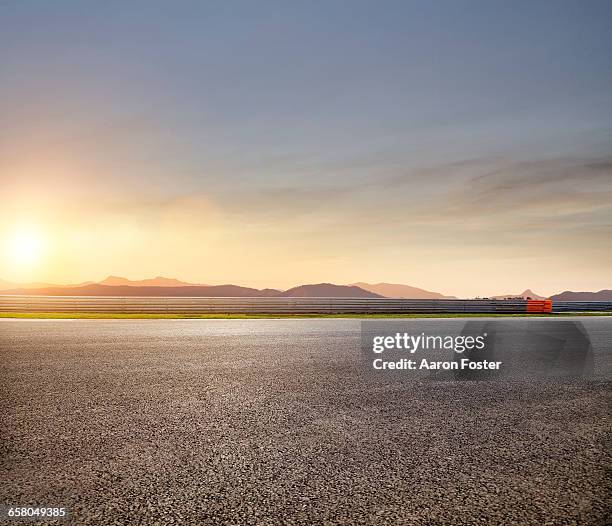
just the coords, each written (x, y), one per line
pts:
(202, 305)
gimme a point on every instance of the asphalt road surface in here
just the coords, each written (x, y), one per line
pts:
(273, 422)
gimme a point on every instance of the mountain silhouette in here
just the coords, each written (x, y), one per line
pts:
(321, 290)
(158, 281)
(568, 295)
(396, 290)
(328, 290)
(161, 286)
(526, 294)
(130, 290)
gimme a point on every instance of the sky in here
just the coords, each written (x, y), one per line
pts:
(464, 147)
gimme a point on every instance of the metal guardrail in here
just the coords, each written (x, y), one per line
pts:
(202, 305)
(582, 306)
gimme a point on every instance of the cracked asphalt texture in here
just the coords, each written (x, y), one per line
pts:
(271, 422)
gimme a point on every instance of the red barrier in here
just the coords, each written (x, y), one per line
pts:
(539, 305)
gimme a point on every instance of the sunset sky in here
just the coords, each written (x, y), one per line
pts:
(462, 147)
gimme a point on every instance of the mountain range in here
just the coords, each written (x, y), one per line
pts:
(116, 286)
(159, 281)
(97, 289)
(526, 295)
(161, 286)
(396, 290)
(328, 290)
(568, 295)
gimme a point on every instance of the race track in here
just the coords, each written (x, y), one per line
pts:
(273, 422)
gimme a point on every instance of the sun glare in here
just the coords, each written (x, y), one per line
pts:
(25, 247)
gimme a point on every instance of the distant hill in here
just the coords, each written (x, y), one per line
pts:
(568, 295)
(160, 286)
(396, 290)
(314, 291)
(6, 285)
(111, 281)
(129, 290)
(328, 290)
(159, 281)
(527, 294)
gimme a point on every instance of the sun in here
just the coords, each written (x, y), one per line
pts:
(25, 247)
